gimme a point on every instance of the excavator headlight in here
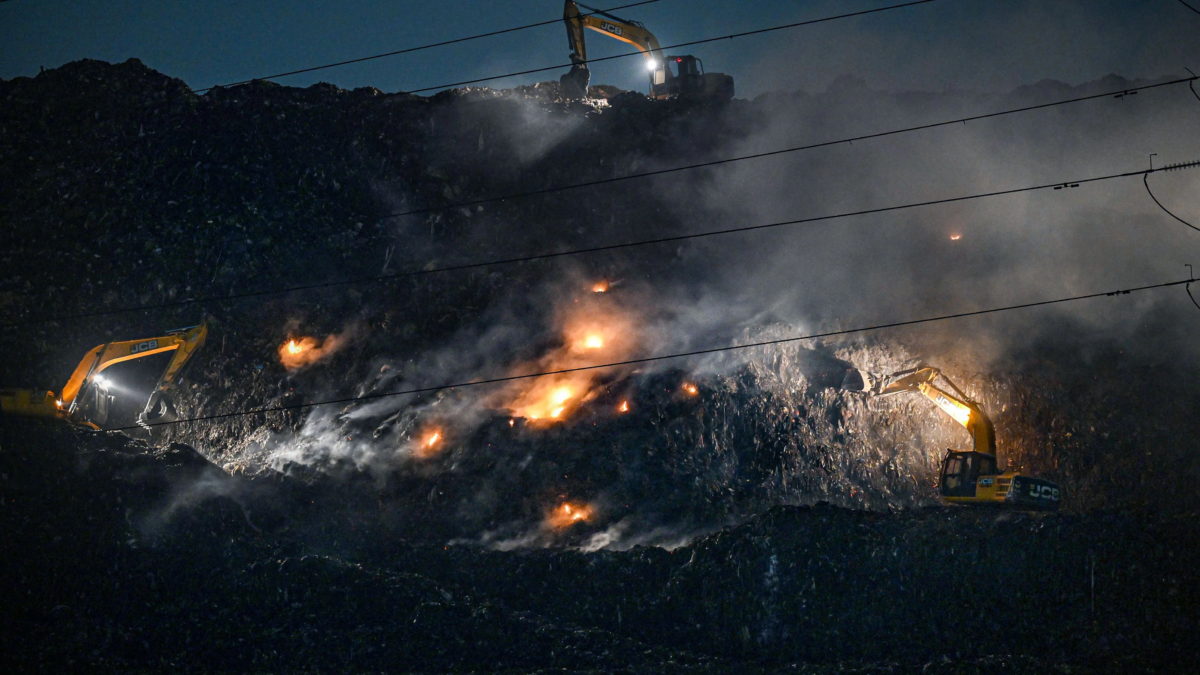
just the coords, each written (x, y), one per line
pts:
(103, 382)
(652, 65)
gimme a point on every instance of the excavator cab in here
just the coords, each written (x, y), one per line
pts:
(961, 471)
(681, 76)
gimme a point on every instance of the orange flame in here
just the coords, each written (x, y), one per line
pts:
(592, 331)
(304, 351)
(600, 286)
(429, 445)
(955, 237)
(624, 407)
(548, 400)
(690, 389)
(567, 514)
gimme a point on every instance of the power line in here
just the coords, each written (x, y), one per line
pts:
(664, 357)
(1056, 185)
(731, 36)
(1146, 182)
(1118, 93)
(413, 49)
(1189, 6)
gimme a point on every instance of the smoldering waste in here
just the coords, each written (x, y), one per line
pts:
(696, 515)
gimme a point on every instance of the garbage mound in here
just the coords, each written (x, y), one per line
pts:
(336, 507)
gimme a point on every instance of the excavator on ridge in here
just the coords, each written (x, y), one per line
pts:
(671, 77)
(88, 394)
(968, 476)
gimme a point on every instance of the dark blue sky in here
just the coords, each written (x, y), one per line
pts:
(965, 44)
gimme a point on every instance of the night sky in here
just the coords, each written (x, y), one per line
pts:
(978, 45)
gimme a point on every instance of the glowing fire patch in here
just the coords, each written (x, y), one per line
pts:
(430, 444)
(955, 237)
(600, 287)
(299, 352)
(546, 402)
(690, 389)
(557, 399)
(567, 514)
(592, 331)
(623, 407)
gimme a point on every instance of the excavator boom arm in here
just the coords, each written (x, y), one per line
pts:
(949, 398)
(184, 343)
(614, 27)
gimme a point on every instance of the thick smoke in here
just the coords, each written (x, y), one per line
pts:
(766, 425)
(1009, 249)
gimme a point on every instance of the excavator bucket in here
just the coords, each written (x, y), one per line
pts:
(857, 380)
(573, 85)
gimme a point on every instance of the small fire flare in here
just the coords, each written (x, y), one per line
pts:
(429, 444)
(567, 514)
(298, 352)
(600, 286)
(690, 389)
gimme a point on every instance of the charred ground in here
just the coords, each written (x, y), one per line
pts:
(311, 539)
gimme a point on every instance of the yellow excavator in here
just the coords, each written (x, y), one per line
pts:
(968, 476)
(86, 397)
(670, 76)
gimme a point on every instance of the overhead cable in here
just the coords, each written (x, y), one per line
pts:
(659, 357)
(413, 49)
(1146, 182)
(1056, 185)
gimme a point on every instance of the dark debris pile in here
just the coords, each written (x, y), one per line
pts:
(125, 557)
(120, 187)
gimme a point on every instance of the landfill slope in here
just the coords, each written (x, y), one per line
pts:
(737, 511)
(129, 557)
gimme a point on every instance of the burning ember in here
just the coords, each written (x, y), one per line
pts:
(593, 331)
(690, 389)
(547, 401)
(955, 237)
(600, 287)
(623, 407)
(567, 514)
(429, 445)
(299, 352)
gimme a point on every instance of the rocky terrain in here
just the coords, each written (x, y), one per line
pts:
(731, 512)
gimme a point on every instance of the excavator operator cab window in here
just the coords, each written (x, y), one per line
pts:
(686, 65)
(959, 472)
